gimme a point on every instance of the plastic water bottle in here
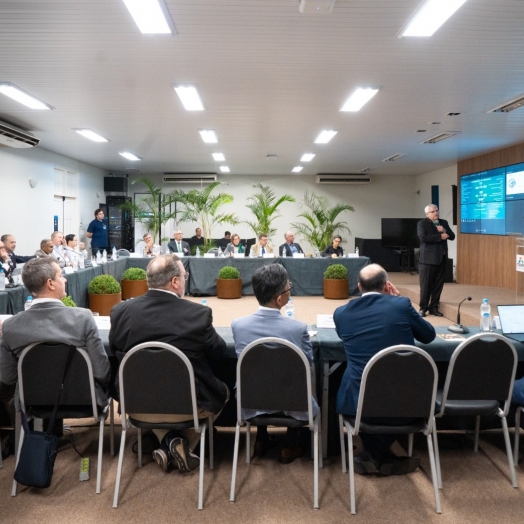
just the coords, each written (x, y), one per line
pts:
(220, 252)
(197, 254)
(290, 309)
(98, 257)
(317, 252)
(81, 261)
(357, 251)
(485, 315)
(114, 256)
(104, 257)
(2, 279)
(284, 255)
(28, 302)
(75, 262)
(204, 302)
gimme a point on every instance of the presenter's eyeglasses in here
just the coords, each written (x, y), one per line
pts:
(288, 289)
(185, 276)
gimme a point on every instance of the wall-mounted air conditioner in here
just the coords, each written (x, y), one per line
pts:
(12, 136)
(337, 178)
(190, 178)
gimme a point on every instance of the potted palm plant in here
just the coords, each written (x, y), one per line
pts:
(134, 283)
(336, 282)
(229, 283)
(104, 292)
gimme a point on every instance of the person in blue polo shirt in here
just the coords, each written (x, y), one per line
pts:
(97, 232)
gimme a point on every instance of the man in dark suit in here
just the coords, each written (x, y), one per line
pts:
(380, 318)
(178, 245)
(433, 234)
(290, 246)
(162, 315)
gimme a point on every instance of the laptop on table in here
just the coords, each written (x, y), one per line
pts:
(512, 321)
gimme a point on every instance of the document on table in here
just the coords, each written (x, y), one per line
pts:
(325, 321)
(451, 337)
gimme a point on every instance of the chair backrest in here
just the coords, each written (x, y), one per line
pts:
(399, 381)
(123, 253)
(273, 374)
(157, 378)
(40, 371)
(482, 368)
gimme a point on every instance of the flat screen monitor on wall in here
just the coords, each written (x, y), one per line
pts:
(400, 232)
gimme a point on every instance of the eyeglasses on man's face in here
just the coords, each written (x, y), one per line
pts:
(185, 276)
(288, 289)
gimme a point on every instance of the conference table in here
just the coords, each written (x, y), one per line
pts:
(305, 273)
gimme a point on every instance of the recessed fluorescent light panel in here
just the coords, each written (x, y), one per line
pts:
(325, 136)
(130, 156)
(307, 157)
(508, 106)
(359, 97)
(208, 136)
(87, 133)
(431, 15)
(151, 16)
(297, 169)
(219, 157)
(439, 138)
(189, 97)
(224, 169)
(22, 97)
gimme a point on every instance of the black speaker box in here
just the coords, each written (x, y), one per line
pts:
(115, 184)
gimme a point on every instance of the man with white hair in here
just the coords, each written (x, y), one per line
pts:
(290, 246)
(179, 246)
(59, 251)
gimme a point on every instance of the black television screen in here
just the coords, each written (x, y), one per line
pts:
(400, 232)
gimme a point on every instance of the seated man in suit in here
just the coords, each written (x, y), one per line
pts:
(261, 247)
(49, 320)
(272, 290)
(10, 246)
(380, 318)
(162, 315)
(46, 248)
(290, 246)
(177, 245)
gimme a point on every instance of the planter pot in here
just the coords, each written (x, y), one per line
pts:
(336, 289)
(103, 304)
(229, 287)
(133, 288)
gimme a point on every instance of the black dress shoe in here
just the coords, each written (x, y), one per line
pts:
(422, 313)
(435, 312)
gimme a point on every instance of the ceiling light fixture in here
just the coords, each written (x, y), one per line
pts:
(323, 7)
(219, 157)
(224, 169)
(392, 158)
(431, 15)
(189, 97)
(439, 137)
(130, 156)
(151, 16)
(359, 97)
(307, 157)
(22, 97)
(325, 136)
(508, 106)
(87, 133)
(297, 169)
(208, 136)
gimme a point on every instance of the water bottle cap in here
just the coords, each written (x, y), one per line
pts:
(485, 300)
(29, 297)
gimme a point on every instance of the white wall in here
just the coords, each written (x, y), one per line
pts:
(28, 213)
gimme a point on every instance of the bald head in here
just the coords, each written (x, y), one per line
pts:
(372, 278)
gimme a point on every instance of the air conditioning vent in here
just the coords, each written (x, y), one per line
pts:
(190, 178)
(12, 136)
(336, 178)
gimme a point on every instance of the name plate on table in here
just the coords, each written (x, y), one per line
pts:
(209, 255)
(103, 323)
(325, 321)
(135, 255)
(93, 263)
(68, 270)
(239, 255)
(268, 255)
(352, 255)
(298, 255)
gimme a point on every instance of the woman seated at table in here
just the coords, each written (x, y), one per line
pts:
(234, 247)
(334, 250)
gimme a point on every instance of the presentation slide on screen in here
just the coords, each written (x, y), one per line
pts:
(515, 182)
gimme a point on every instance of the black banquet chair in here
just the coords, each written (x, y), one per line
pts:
(157, 378)
(398, 382)
(479, 380)
(40, 370)
(264, 372)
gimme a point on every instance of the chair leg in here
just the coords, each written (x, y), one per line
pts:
(320, 457)
(517, 436)
(342, 443)
(410, 445)
(202, 460)
(139, 448)
(315, 468)
(351, 471)
(508, 451)
(248, 443)
(119, 468)
(437, 455)
(477, 433)
(112, 428)
(211, 443)
(100, 450)
(433, 465)
(18, 424)
(235, 461)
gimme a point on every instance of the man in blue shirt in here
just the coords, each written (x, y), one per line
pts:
(97, 232)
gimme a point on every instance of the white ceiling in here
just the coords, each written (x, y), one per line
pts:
(271, 79)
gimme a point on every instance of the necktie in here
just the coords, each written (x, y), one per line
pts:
(178, 247)
(263, 250)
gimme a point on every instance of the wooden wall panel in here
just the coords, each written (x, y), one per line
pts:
(487, 260)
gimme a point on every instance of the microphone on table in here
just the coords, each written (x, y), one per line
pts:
(458, 328)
